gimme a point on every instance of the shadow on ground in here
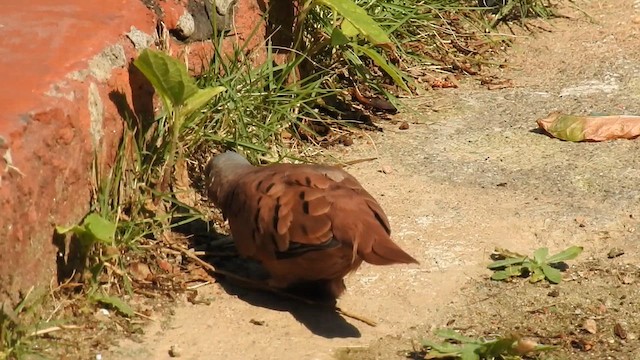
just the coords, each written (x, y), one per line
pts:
(321, 317)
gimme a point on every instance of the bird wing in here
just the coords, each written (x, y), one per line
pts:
(285, 210)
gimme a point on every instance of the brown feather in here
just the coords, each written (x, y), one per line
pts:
(303, 222)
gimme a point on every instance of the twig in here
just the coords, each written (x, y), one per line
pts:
(144, 316)
(361, 318)
(356, 161)
(196, 286)
(262, 286)
(54, 328)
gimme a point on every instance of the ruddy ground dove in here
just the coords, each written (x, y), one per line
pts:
(304, 223)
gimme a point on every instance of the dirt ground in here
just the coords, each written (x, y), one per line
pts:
(468, 175)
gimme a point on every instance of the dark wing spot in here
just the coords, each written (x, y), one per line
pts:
(305, 207)
(269, 187)
(302, 194)
(256, 218)
(307, 180)
(259, 185)
(381, 221)
(296, 249)
(276, 210)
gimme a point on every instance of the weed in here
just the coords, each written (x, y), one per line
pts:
(541, 266)
(18, 324)
(457, 346)
(521, 9)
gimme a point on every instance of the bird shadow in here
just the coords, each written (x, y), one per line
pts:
(320, 317)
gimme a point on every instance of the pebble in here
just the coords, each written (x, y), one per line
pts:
(174, 351)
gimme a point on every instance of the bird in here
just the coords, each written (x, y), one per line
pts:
(305, 223)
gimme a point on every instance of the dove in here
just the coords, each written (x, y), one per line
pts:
(304, 223)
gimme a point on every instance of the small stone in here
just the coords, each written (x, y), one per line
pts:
(403, 125)
(386, 169)
(582, 221)
(346, 140)
(257, 322)
(620, 331)
(614, 253)
(186, 24)
(102, 315)
(590, 326)
(175, 351)
(628, 280)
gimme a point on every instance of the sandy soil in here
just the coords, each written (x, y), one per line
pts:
(460, 181)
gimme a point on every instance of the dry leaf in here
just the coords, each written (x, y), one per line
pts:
(590, 128)
(140, 271)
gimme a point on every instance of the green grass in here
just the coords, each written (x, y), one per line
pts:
(281, 108)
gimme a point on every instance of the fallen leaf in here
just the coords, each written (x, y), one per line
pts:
(590, 128)
(140, 271)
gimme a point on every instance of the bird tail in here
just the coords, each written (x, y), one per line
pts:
(386, 252)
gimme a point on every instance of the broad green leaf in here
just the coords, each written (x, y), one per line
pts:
(389, 68)
(75, 229)
(500, 275)
(568, 254)
(338, 37)
(114, 302)
(508, 272)
(469, 353)
(553, 275)
(540, 255)
(506, 262)
(450, 334)
(348, 29)
(536, 275)
(101, 229)
(200, 99)
(168, 76)
(94, 228)
(359, 18)
(441, 348)
(496, 348)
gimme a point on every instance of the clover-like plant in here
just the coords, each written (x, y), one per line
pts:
(457, 346)
(539, 267)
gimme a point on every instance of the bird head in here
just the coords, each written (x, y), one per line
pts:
(221, 170)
